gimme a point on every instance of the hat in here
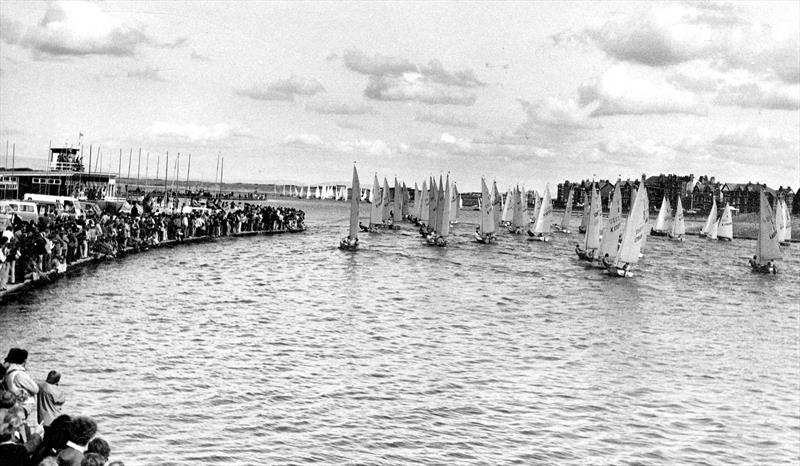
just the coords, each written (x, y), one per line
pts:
(17, 356)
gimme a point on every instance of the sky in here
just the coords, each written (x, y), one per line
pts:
(519, 92)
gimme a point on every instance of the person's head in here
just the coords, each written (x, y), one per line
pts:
(49, 461)
(7, 400)
(56, 434)
(93, 459)
(99, 446)
(53, 377)
(17, 356)
(82, 429)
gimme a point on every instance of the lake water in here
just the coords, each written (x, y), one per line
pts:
(286, 350)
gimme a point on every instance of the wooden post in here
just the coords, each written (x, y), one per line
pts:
(221, 169)
(216, 173)
(147, 167)
(188, 168)
(90, 159)
(139, 169)
(166, 174)
(177, 169)
(130, 155)
(158, 165)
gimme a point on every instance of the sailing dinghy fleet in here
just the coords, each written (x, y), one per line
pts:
(608, 242)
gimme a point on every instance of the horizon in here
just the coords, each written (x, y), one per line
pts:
(523, 94)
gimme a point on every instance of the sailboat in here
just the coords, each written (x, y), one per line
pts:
(612, 230)
(767, 249)
(376, 207)
(711, 220)
(584, 215)
(660, 229)
(678, 223)
(591, 242)
(487, 226)
(783, 222)
(497, 204)
(725, 225)
(632, 239)
(517, 215)
(541, 229)
(564, 227)
(406, 200)
(454, 204)
(505, 219)
(351, 241)
(387, 216)
(442, 225)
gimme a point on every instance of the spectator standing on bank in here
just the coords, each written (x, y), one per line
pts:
(50, 398)
(19, 383)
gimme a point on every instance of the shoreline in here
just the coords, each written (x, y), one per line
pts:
(15, 290)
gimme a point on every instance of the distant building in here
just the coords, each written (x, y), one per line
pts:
(65, 176)
(745, 196)
(703, 194)
(669, 186)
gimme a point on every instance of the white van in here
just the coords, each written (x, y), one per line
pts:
(26, 210)
(61, 205)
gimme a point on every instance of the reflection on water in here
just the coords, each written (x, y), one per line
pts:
(287, 350)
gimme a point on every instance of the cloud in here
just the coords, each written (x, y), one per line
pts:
(373, 147)
(77, 29)
(626, 147)
(398, 79)
(284, 89)
(194, 133)
(746, 135)
(619, 92)
(149, 73)
(349, 125)
(559, 113)
(415, 87)
(198, 56)
(505, 147)
(759, 95)
(444, 119)
(378, 65)
(672, 33)
(302, 140)
(331, 108)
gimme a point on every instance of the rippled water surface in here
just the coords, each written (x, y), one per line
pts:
(285, 350)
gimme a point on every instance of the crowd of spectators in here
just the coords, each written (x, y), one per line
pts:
(34, 431)
(30, 249)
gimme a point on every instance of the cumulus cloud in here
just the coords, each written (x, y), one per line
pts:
(284, 89)
(626, 147)
(76, 29)
(746, 135)
(335, 108)
(560, 113)
(194, 133)
(503, 147)
(302, 140)
(415, 87)
(618, 92)
(759, 95)
(671, 33)
(394, 78)
(374, 147)
(149, 73)
(444, 119)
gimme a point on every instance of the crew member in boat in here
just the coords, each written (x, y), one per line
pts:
(753, 262)
(606, 262)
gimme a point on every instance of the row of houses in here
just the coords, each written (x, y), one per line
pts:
(696, 197)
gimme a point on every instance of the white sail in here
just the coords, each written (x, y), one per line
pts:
(592, 239)
(487, 210)
(508, 211)
(585, 212)
(612, 230)
(433, 200)
(517, 218)
(308, 192)
(354, 201)
(317, 194)
(634, 232)
(444, 228)
(387, 201)
(725, 228)
(376, 209)
(712, 217)
(787, 222)
(544, 219)
(678, 223)
(454, 203)
(424, 201)
(661, 221)
(768, 249)
(567, 211)
(537, 205)
(497, 205)
(397, 205)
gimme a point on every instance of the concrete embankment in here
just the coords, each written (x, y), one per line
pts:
(51, 276)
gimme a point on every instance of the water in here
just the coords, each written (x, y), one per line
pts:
(285, 350)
